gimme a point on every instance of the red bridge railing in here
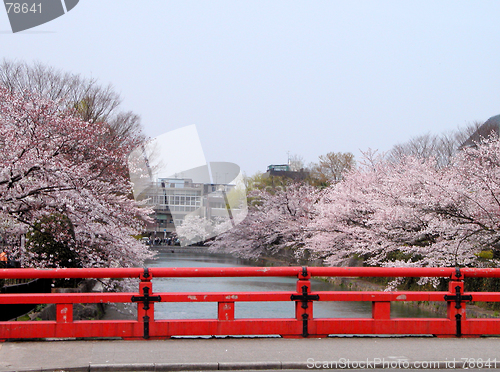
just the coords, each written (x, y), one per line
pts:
(304, 324)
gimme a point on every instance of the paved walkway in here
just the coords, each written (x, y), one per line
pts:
(249, 354)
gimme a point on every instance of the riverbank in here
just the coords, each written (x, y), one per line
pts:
(177, 249)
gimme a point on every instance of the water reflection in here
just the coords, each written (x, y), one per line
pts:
(322, 309)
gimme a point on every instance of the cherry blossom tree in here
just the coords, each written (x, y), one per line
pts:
(195, 229)
(90, 101)
(53, 164)
(275, 225)
(414, 212)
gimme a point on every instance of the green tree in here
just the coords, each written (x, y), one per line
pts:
(331, 168)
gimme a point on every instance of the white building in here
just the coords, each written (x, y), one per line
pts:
(174, 198)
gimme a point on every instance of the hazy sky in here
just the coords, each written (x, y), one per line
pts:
(261, 78)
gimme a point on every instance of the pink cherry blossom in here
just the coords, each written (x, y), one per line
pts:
(52, 162)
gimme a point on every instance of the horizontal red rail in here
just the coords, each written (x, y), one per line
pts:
(248, 272)
(283, 296)
(303, 325)
(70, 273)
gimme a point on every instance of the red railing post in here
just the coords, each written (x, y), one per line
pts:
(381, 309)
(303, 286)
(225, 311)
(64, 313)
(145, 310)
(454, 287)
(142, 307)
(303, 301)
(455, 307)
(64, 320)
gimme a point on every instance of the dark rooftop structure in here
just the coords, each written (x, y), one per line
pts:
(490, 127)
(284, 170)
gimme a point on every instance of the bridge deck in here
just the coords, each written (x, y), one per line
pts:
(244, 353)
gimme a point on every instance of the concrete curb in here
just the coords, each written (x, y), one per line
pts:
(122, 367)
(225, 366)
(240, 366)
(187, 366)
(249, 365)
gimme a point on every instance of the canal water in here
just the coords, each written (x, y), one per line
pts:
(168, 258)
